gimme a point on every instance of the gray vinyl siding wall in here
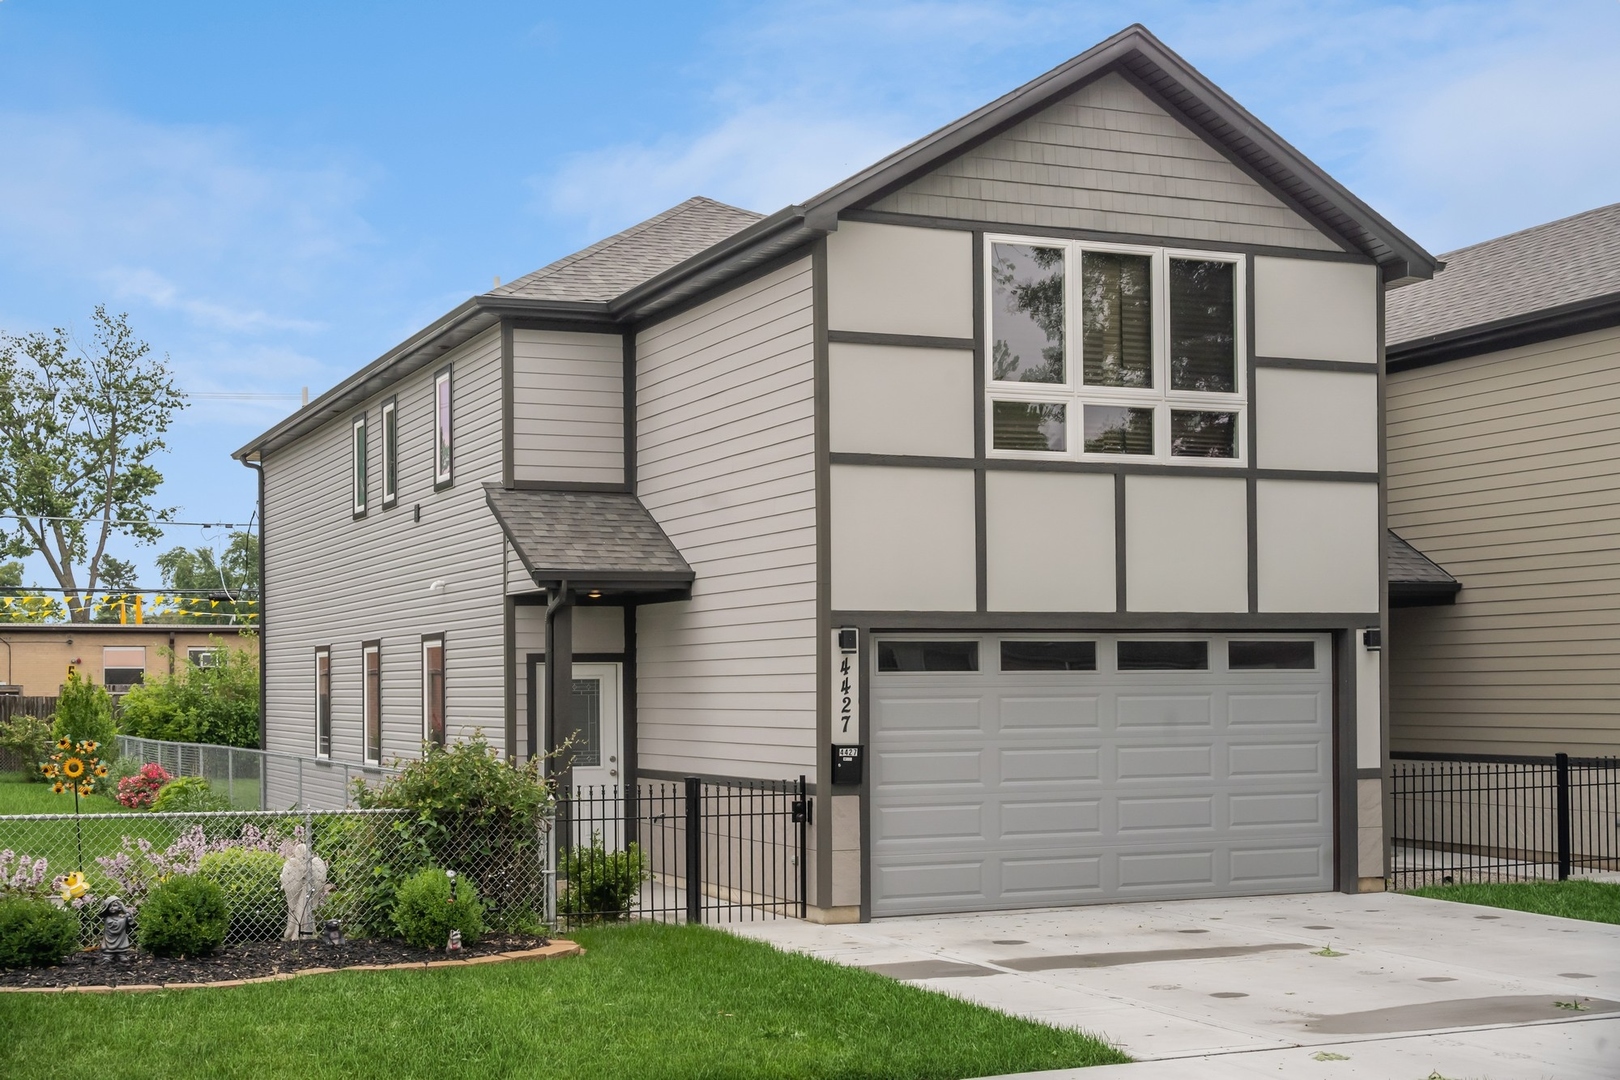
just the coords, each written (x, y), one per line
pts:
(726, 464)
(567, 407)
(1107, 158)
(336, 580)
(1502, 468)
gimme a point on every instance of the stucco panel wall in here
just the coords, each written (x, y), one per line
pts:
(1049, 541)
(1186, 544)
(902, 539)
(897, 400)
(1308, 309)
(890, 279)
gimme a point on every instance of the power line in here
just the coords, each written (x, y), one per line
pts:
(192, 524)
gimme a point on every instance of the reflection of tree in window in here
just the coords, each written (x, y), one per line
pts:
(1024, 425)
(1116, 294)
(1202, 340)
(1028, 313)
(1113, 429)
(1203, 434)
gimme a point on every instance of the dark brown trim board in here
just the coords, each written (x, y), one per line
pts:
(1346, 818)
(822, 823)
(508, 406)
(1121, 468)
(629, 415)
(913, 341)
(989, 622)
(1581, 317)
(1121, 602)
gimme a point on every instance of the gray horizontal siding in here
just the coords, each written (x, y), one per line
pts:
(1108, 158)
(334, 580)
(567, 407)
(726, 464)
(1502, 469)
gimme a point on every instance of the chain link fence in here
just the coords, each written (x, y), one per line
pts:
(258, 779)
(283, 875)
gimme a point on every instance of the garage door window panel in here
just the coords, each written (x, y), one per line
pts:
(1163, 655)
(933, 656)
(1145, 343)
(1048, 656)
(1271, 655)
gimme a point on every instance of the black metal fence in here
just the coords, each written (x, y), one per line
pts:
(1494, 817)
(689, 850)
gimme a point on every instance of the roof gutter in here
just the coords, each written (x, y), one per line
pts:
(1579, 317)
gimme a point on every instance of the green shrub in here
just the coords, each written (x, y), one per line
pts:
(30, 739)
(251, 882)
(189, 793)
(367, 858)
(603, 884)
(424, 913)
(35, 933)
(217, 704)
(185, 915)
(473, 808)
(84, 713)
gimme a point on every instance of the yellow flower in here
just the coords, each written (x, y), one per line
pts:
(73, 886)
(101, 770)
(88, 746)
(87, 789)
(73, 768)
(64, 743)
(59, 787)
(47, 769)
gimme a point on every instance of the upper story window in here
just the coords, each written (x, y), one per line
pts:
(1115, 353)
(443, 433)
(357, 448)
(390, 452)
(323, 702)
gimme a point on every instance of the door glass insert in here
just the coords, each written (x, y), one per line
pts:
(587, 748)
(1163, 655)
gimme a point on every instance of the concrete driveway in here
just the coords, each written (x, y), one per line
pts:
(1241, 988)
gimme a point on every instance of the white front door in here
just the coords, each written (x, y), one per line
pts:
(594, 755)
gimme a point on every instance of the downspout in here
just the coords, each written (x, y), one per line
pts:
(258, 467)
(555, 707)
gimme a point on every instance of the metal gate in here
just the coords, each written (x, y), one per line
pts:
(687, 850)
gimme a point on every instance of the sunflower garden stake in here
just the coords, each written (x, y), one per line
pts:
(75, 767)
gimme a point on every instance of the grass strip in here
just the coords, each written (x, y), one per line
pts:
(645, 1002)
(1593, 901)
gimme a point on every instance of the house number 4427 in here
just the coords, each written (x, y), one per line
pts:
(846, 697)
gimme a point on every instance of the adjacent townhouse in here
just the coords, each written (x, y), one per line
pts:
(1024, 491)
(1504, 372)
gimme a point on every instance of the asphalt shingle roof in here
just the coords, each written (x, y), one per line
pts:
(586, 535)
(1562, 262)
(1409, 566)
(624, 260)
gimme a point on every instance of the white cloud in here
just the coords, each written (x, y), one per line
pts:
(146, 284)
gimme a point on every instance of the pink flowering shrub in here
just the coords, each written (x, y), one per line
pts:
(138, 791)
(21, 875)
(139, 865)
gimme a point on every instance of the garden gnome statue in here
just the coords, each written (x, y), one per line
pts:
(115, 929)
(303, 882)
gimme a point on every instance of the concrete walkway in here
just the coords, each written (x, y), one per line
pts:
(1240, 988)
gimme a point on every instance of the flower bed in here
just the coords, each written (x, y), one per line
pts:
(251, 960)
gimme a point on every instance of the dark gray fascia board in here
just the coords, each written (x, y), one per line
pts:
(1423, 594)
(422, 349)
(1582, 316)
(1135, 50)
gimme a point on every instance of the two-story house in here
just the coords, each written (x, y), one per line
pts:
(1023, 490)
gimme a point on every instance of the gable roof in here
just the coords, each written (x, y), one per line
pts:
(653, 265)
(587, 538)
(1548, 281)
(609, 267)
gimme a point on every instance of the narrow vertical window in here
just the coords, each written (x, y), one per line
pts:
(443, 433)
(433, 690)
(372, 705)
(323, 703)
(390, 452)
(1116, 325)
(358, 447)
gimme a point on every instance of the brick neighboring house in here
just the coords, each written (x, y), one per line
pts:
(34, 657)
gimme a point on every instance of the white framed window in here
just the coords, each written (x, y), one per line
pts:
(390, 452)
(433, 689)
(371, 700)
(357, 448)
(202, 656)
(323, 702)
(443, 431)
(1112, 352)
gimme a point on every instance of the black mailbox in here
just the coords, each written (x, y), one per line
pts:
(846, 765)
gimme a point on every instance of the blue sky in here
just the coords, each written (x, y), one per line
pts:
(277, 193)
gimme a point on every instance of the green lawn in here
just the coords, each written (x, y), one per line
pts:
(21, 796)
(1590, 900)
(646, 1002)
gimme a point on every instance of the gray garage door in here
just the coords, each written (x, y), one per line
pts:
(1022, 771)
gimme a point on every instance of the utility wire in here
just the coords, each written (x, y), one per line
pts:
(195, 524)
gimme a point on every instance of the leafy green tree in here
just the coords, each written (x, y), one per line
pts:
(118, 577)
(213, 703)
(198, 571)
(78, 431)
(20, 605)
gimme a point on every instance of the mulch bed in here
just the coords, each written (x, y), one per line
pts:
(250, 960)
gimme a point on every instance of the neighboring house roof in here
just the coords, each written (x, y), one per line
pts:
(1533, 285)
(664, 261)
(1416, 580)
(587, 538)
(609, 267)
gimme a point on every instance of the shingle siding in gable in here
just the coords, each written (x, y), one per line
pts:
(726, 464)
(334, 580)
(1108, 158)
